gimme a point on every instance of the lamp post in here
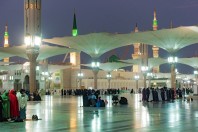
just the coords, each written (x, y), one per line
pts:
(136, 81)
(109, 80)
(196, 78)
(32, 17)
(50, 80)
(144, 70)
(95, 68)
(173, 60)
(80, 76)
(149, 75)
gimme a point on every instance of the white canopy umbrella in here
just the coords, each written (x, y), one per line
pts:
(93, 44)
(193, 62)
(171, 40)
(44, 53)
(110, 66)
(152, 62)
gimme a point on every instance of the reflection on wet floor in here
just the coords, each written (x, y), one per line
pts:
(67, 114)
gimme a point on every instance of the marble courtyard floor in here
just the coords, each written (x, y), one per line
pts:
(66, 114)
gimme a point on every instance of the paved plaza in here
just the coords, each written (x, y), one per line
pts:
(67, 114)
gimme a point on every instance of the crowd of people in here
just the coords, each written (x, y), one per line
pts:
(92, 98)
(83, 91)
(13, 105)
(164, 94)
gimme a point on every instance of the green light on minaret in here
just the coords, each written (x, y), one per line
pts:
(155, 23)
(75, 29)
(6, 34)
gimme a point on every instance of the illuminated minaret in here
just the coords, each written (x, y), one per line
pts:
(74, 56)
(136, 54)
(6, 42)
(155, 48)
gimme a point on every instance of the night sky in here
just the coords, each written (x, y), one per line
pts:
(102, 16)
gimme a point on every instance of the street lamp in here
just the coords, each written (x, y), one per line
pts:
(172, 60)
(136, 81)
(80, 76)
(109, 79)
(144, 69)
(95, 68)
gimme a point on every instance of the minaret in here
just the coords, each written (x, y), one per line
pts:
(136, 54)
(74, 56)
(155, 48)
(6, 42)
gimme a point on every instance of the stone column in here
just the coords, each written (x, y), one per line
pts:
(149, 82)
(144, 75)
(109, 83)
(136, 82)
(173, 78)
(95, 72)
(32, 58)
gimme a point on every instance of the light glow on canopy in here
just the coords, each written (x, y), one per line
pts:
(94, 44)
(152, 62)
(44, 53)
(193, 62)
(171, 40)
(110, 66)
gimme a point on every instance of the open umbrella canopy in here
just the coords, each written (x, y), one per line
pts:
(54, 68)
(11, 67)
(5, 63)
(50, 68)
(193, 62)
(152, 62)
(44, 53)
(110, 66)
(93, 44)
(170, 40)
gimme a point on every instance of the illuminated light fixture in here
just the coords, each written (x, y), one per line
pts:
(149, 74)
(172, 59)
(37, 40)
(32, 41)
(11, 78)
(144, 68)
(95, 64)
(27, 40)
(196, 72)
(37, 68)
(136, 77)
(80, 74)
(108, 76)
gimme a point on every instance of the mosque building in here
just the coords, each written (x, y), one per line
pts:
(17, 76)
